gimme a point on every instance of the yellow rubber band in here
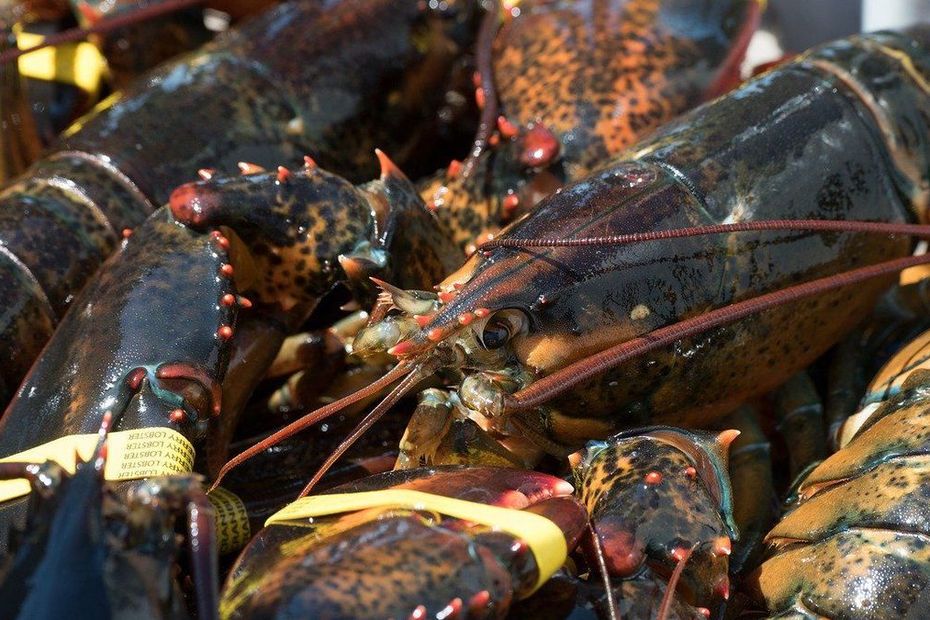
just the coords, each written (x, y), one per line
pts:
(544, 538)
(133, 454)
(79, 64)
(232, 520)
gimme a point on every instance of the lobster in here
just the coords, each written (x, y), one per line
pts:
(263, 93)
(87, 552)
(578, 319)
(565, 86)
(394, 561)
(853, 543)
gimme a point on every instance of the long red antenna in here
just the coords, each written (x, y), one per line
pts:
(886, 228)
(396, 394)
(566, 378)
(312, 418)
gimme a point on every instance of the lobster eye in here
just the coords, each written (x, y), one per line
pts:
(501, 327)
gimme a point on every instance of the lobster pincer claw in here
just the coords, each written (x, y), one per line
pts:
(661, 495)
(412, 550)
(307, 230)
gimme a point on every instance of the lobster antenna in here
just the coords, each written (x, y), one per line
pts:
(673, 584)
(566, 378)
(312, 418)
(486, 35)
(396, 394)
(103, 26)
(612, 612)
(853, 226)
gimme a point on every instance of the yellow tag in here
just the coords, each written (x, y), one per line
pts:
(544, 538)
(80, 64)
(133, 454)
(232, 520)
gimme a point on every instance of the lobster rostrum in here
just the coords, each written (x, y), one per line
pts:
(266, 92)
(564, 86)
(582, 317)
(854, 542)
(88, 552)
(391, 562)
(659, 498)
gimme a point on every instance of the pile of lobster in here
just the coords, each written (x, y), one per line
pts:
(606, 355)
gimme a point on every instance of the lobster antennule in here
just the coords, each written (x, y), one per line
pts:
(399, 391)
(852, 226)
(401, 370)
(488, 121)
(574, 374)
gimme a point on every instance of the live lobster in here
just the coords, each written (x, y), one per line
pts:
(567, 325)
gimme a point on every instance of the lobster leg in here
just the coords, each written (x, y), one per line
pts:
(755, 504)
(799, 416)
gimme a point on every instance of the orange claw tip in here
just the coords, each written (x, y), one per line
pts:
(721, 547)
(225, 332)
(691, 472)
(703, 611)
(507, 129)
(494, 139)
(226, 269)
(309, 162)
(435, 334)
(725, 438)
(388, 168)
(575, 458)
(722, 589)
(283, 174)
(228, 299)
(653, 477)
(353, 268)
(249, 168)
(206, 173)
(455, 167)
(126, 233)
(419, 613)
(177, 416)
(244, 302)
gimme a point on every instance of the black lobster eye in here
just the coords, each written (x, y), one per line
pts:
(496, 334)
(501, 327)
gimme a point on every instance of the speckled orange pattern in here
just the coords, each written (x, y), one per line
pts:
(857, 542)
(592, 77)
